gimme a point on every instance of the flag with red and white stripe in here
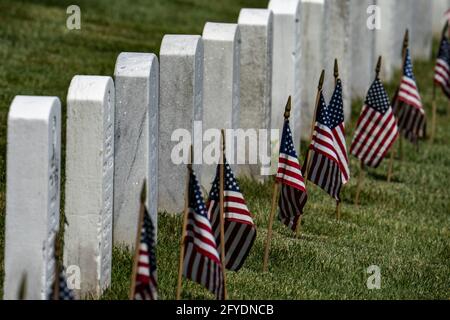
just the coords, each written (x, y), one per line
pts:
(240, 231)
(329, 162)
(146, 278)
(408, 108)
(201, 257)
(442, 68)
(376, 129)
(293, 194)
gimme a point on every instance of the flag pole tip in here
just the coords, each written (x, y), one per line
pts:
(336, 69)
(144, 191)
(322, 78)
(287, 109)
(378, 68)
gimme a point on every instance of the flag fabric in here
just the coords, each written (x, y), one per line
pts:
(442, 68)
(408, 105)
(376, 129)
(328, 166)
(201, 257)
(293, 194)
(146, 287)
(64, 293)
(239, 229)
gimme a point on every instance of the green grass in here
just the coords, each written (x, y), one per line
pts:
(403, 227)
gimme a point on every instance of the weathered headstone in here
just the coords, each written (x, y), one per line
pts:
(256, 26)
(89, 181)
(221, 84)
(181, 104)
(395, 18)
(286, 68)
(439, 7)
(363, 59)
(32, 195)
(135, 141)
(337, 45)
(312, 60)
(421, 29)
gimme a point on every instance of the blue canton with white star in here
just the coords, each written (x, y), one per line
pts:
(287, 145)
(195, 196)
(444, 51)
(408, 67)
(377, 97)
(336, 107)
(322, 112)
(229, 182)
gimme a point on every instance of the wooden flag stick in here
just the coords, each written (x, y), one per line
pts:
(361, 170)
(433, 114)
(57, 268)
(359, 183)
(404, 48)
(336, 71)
(336, 77)
(269, 231)
(308, 157)
(287, 112)
(222, 213)
(23, 288)
(313, 123)
(138, 240)
(183, 229)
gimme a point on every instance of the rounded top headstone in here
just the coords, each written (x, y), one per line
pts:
(221, 31)
(180, 44)
(134, 64)
(89, 88)
(284, 6)
(33, 107)
(255, 16)
(314, 1)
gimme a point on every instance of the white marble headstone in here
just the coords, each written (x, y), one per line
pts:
(395, 19)
(286, 68)
(221, 84)
(135, 141)
(421, 29)
(89, 181)
(338, 45)
(256, 26)
(312, 60)
(32, 195)
(439, 7)
(363, 59)
(181, 104)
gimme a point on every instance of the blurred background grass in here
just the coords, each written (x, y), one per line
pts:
(402, 227)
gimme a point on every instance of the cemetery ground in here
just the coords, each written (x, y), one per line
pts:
(403, 227)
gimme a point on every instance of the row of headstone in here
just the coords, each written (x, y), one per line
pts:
(121, 131)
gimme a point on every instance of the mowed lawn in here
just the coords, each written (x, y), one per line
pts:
(402, 227)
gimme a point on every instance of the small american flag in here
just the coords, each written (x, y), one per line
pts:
(442, 68)
(376, 129)
(293, 194)
(329, 163)
(146, 276)
(408, 105)
(201, 257)
(240, 231)
(64, 293)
